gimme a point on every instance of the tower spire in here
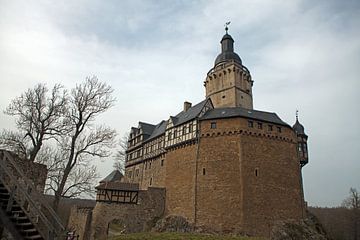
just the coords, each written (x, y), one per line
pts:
(297, 115)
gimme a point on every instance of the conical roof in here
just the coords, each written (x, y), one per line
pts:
(298, 127)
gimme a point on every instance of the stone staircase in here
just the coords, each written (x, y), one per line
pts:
(23, 211)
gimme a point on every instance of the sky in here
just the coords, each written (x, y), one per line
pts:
(302, 54)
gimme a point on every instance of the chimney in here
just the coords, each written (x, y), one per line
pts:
(187, 105)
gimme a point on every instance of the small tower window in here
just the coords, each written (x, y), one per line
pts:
(204, 171)
(259, 125)
(223, 96)
(150, 181)
(279, 129)
(213, 125)
(250, 124)
(256, 172)
(270, 127)
(162, 162)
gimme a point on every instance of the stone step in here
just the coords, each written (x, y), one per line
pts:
(33, 237)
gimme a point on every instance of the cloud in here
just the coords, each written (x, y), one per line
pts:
(302, 55)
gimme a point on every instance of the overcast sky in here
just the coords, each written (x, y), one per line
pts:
(155, 54)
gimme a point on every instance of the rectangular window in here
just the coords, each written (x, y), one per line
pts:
(184, 130)
(169, 136)
(137, 172)
(250, 124)
(279, 129)
(204, 171)
(213, 125)
(259, 125)
(175, 134)
(190, 127)
(270, 127)
(162, 162)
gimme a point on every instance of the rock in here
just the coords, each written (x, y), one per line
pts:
(308, 229)
(173, 223)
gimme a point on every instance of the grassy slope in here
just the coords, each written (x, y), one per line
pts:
(177, 236)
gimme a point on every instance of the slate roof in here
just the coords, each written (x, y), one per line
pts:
(158, 130)
(147, 128)
(217, 113)
(115, 175)
(190, 114)
(119, 186)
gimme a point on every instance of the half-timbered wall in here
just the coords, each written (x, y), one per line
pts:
(181, 133)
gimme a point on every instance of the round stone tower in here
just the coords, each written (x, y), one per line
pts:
(229, 83)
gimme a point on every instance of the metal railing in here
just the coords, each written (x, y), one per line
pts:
(24, 192)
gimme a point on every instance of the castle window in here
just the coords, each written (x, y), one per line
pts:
(259, 125)
(250, 124)
(270, 127)
(169, 136)
(299, 145)
(190, 127)
(150, 181)
(184, 130)
(137, 172)
(256, 172)
(204, 172)
(150, 165)
(213, 125)
(162, 162)
(279, 129)
(223, 96)
(175, 134)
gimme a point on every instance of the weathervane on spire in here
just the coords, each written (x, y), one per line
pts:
(226, 26)
(297, 114)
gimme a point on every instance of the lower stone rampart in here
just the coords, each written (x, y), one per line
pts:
(134, 217)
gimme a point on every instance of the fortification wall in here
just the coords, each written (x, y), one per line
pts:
(80, 221)
(180, 181)
(135, 217)
(219, 197)
(154, 173)
(252, 176)
(272, 182)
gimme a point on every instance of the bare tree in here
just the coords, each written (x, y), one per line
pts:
(38, 115)
(83, 140)
(81, 179)
(120, 156)
(353, 203)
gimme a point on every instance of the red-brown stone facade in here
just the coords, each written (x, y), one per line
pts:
(236, 176)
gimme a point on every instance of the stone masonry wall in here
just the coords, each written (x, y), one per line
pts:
(248, 178)
(80, 221)
(180, 180)
(136, 217)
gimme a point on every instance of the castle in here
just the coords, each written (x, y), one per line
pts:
(220, 165)
(224, 165)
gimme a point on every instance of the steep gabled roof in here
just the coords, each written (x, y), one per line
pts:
(119, 186)
(190, 114)
(158, 130)
(217, 113)
(115, 175)
(146, 127)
